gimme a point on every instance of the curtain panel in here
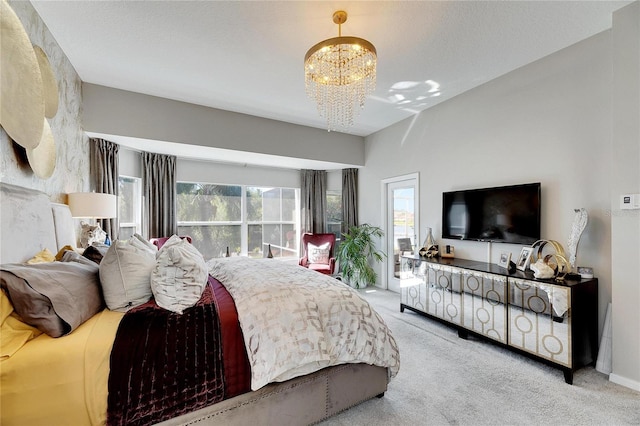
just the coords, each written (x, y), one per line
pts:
(349, 199)
(159, 189)
(104, 172)
(313, 200)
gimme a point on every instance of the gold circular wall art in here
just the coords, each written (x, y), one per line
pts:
(49, 83)
(42, 158)
(21, 93)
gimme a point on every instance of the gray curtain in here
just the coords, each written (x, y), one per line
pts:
(349, 198)
(104, 171)
(313, 200)
(159, 189)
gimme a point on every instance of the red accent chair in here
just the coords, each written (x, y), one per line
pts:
(159, 242)
(319, 260)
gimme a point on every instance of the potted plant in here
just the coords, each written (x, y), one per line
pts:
(356, 251)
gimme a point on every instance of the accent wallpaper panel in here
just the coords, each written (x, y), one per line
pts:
(72, 169)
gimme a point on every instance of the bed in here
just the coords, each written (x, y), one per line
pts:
(67, 380)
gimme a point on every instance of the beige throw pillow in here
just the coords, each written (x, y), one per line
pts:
(125, 273)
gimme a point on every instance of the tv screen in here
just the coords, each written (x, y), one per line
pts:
(508, 214)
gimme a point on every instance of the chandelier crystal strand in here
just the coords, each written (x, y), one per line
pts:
(339, 75)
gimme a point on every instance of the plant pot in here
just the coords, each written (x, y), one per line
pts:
(355, 282)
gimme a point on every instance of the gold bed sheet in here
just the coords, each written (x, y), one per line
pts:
(56, 381)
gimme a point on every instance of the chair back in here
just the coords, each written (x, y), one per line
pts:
(159, 242)
(317, 240)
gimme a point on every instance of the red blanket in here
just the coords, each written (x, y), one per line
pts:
(237, 371)
(165, 364)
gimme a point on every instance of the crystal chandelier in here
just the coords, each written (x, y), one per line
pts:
(340, 73)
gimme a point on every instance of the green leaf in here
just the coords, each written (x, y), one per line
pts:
(357, 251)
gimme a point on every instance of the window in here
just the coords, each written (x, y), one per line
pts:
(244, 219)
(271, 221)
(334, 213)
(129, 206)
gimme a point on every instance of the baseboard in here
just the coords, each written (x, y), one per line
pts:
(628, 383)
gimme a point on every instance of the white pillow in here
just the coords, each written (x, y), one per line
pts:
(125, 273)
(318, 254)
(180, 275)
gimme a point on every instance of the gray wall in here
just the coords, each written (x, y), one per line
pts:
(549, 122)
(625, 178)
(118, 112)
(189, 170)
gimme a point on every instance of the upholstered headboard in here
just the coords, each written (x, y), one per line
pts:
(64, 225)
(29, 222)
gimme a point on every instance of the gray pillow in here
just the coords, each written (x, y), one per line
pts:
(125, 273)
(54, 297)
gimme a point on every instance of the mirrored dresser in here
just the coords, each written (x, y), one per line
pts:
(554, 322)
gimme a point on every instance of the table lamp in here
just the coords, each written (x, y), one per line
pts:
(92, 205)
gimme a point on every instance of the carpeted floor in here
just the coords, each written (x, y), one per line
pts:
(447, 380)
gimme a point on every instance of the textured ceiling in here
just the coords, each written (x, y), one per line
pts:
(248, 56)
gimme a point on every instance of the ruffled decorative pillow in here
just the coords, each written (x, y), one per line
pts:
(180, 275)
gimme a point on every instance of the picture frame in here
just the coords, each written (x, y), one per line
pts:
(524, 259)
(505, 258)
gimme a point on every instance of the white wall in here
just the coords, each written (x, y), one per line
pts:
(536, 124)
(625, 172)
(549, 122)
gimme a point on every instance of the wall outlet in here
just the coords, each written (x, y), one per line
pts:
(630, 201)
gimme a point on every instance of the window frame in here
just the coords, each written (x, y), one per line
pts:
(137, 205)
(244, 223)
(338, 234)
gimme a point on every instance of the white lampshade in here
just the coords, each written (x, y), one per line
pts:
(93, 204)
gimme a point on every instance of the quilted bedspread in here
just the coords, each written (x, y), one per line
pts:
(164, 364)
(296, 321)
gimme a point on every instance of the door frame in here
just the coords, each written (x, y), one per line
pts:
(384, 185)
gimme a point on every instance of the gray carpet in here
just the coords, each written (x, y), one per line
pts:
(447, 380)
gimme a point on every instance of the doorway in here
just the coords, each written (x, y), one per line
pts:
(402, 220)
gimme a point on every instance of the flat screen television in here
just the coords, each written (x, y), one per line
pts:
(507, 214)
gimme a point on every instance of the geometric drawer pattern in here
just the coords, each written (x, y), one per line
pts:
(473, 300)
(512, 311)
(535, 325)
(485, 298)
